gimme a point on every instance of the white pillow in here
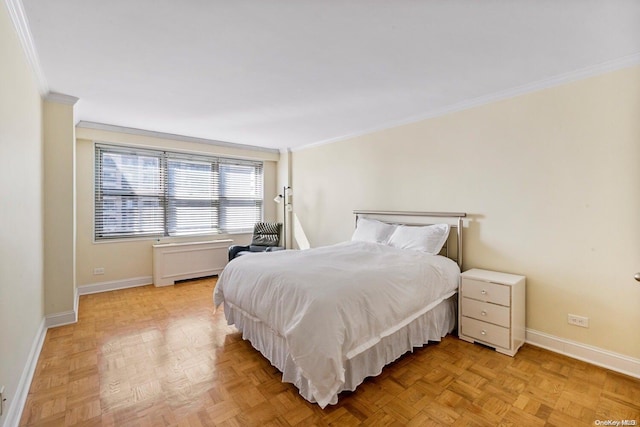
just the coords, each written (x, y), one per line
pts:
(428, 239)
(370, 230)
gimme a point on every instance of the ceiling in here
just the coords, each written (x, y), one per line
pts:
(287, 74)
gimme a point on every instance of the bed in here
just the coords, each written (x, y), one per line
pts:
(329, 317)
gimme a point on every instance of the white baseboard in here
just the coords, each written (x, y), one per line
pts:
(61, 319)
(17, 402)
(95, 288)
(64, 317)
(594, 355)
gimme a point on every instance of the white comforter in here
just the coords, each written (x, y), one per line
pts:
(333, 302)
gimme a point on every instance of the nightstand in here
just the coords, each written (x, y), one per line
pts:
(491, 307)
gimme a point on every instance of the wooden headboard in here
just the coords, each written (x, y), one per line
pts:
(451, 249)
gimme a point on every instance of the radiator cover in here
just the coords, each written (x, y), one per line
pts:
(179, 261)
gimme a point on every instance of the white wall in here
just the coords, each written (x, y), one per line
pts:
(21, 214)
(59, 210)
(127, 261)
(550, 181)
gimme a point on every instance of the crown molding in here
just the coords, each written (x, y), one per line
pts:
(60, 98)
(558, 80)
(21, 24)
(171, 136)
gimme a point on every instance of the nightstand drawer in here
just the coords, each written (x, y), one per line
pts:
(486, 312)
(486, 332)
(486, 291)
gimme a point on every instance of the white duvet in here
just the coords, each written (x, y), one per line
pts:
(334, 302)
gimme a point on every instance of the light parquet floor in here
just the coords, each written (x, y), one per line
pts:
(163, 357)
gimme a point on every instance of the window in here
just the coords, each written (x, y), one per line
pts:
(156, 193)
(240, 188)
(129, 193)
(192, 196)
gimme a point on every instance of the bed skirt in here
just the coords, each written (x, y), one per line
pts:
(431, 326)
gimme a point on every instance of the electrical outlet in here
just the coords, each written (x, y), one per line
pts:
(2, 400)
(575, 320)
(98, 270)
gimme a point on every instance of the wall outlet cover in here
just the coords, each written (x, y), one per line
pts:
(574, 319)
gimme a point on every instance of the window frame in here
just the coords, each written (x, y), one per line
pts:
(165, 157)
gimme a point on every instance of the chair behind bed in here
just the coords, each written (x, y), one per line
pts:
(266, 238)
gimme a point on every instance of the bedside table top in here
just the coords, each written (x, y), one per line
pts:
(492, 276)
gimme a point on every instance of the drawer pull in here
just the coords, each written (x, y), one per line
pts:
(483, 292)
(483, 312)
(483, 332)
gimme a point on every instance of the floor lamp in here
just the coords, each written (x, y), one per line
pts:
(286, 207)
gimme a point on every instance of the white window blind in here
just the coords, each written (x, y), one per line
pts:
(240, 195)
(192, 196)
(157, 193)
(129, 193)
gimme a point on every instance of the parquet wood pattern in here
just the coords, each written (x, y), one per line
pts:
(164, 357)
